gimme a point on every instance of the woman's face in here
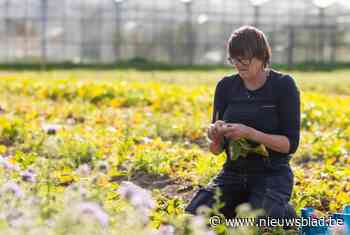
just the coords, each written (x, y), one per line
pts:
(247, 67)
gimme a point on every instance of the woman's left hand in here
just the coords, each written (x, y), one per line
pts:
(236, 131)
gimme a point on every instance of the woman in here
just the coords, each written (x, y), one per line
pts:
(262, 106)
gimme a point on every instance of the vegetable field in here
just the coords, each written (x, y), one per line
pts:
(72, 141)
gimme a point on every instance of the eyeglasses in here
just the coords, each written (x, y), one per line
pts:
(243, 61)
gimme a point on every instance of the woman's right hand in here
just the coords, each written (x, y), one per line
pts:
(215, 131)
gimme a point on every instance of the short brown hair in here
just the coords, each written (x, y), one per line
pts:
(249, 42)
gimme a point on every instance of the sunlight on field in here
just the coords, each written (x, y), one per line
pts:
(149, 128)
(336, 81)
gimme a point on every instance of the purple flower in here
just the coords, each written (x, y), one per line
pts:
(13, 188)
(29, 176)
(7, 165)
(50, 129)
(94, 210)
(15, 217)
(137, 196)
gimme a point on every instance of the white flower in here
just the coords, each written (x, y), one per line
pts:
(71, 121)
(16, 218)
(338, 230)
(147, 140)
(111, 129)
(21, 222)
(88, 128)
(198, 221)
(102, 166)
(94, 210)
(198, 225)
(166, 229)
(51, 222)
(210, 233)
(75, 192)
(84, 170)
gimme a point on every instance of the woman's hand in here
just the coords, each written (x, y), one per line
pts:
(236, 131)
(215, 136)
(215, 131)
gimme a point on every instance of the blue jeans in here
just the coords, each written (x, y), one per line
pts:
(270, 191)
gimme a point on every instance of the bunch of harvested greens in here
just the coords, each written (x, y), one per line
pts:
(242, 147)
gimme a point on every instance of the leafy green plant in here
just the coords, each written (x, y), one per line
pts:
(243, 147)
